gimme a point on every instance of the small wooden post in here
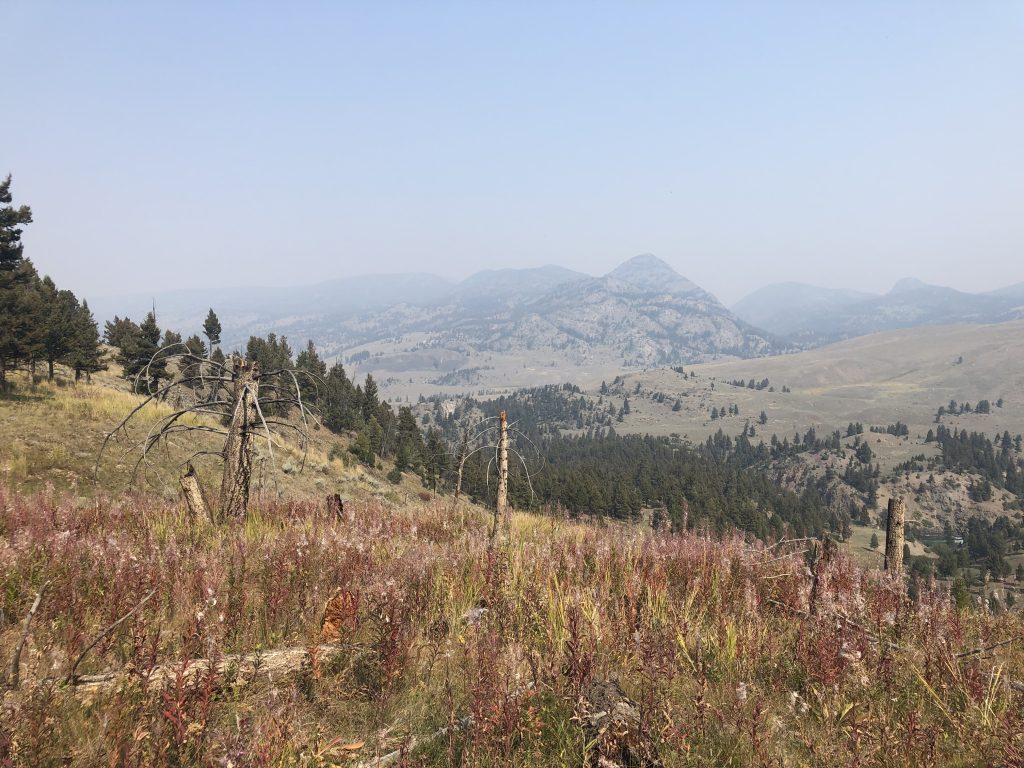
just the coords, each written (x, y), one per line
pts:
(193, 493)
(894, 536)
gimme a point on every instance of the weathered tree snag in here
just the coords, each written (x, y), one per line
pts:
(894, 536)
(823, 556)
(501, 511)
(611, 723)
(335, 506)
(238, 448)
(195, 500)
(14, 676)
(463, 455)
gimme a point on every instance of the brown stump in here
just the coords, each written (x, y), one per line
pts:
(823, 556)
(611, 722)
(341, 614)
(894, 536)
(335, 506)
(195, 500)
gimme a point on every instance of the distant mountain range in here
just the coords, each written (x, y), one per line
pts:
(810, 316)
(641, 314)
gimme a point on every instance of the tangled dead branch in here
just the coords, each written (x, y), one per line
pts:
(235, 400)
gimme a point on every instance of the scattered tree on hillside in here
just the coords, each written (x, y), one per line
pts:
(212, 329)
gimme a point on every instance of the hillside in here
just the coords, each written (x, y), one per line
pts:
(50, 437)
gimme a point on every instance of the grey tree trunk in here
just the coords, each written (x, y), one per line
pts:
(463, 455)
(238, 447)
(501, 511)
(894, 536)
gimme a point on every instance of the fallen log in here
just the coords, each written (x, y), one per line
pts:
(244, 667)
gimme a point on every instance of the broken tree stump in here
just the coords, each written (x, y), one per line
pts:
(238, 447)
(894, 536)
(823, 556)
(611, 722)
(335, 506)
(340, 614)
(195, 499)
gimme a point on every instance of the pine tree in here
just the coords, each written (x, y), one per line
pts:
(409, 450)
(86, 354)
(436, 459)
(212, 329)
(370, 401)
(310, 362)
(874, 541)
(119, 331)
(56, 323)
(16, 274)
(171, 339)
(11, 248)
(136, 357)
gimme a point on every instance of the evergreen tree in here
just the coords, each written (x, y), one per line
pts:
(409, 450)
(137, 356)
(16, 273)
(170, 339)
(436, 459)
(119, 332)
(310, 362)
(86, 354)
(874, 541)
(56, 323)
(212, 329)
(370, 401)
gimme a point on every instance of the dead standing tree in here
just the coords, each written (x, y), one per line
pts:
(239, 402)
(496, 437)
(894, 536)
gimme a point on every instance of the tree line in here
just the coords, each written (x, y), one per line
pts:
(40, 323)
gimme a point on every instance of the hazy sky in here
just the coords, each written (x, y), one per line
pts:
(168, 144)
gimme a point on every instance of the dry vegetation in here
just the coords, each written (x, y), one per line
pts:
(714, 640)
(50, 436)
(711, 638)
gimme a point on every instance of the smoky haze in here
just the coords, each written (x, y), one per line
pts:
(745, 144)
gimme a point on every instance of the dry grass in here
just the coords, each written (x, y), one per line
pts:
(711, 638)
(50, 436)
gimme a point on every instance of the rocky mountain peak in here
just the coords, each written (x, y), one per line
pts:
(650, 273)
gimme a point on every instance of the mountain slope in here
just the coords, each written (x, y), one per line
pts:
(785, 307)
(642, 313)
(813, 316)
